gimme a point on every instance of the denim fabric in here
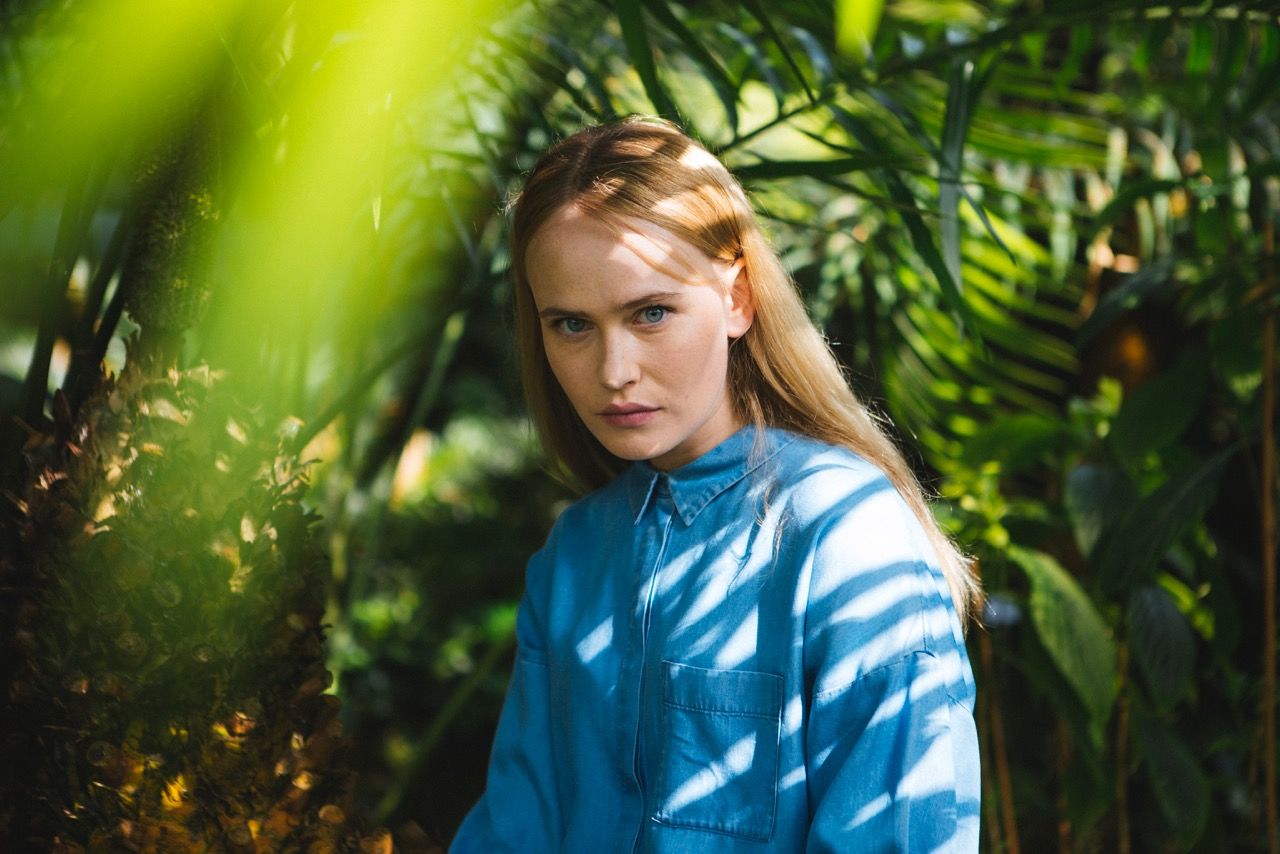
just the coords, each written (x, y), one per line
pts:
(753, 652)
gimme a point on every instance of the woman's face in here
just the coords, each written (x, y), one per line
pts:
(642, 354)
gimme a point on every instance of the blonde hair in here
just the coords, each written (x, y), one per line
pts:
(782, 372)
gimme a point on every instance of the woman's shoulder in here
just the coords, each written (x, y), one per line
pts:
(812, 468)
(833, 489)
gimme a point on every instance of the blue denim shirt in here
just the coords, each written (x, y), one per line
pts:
(753, 652)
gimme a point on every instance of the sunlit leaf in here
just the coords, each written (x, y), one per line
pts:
(856, 25)
(758, 12)
(636, 35)
(723, 84)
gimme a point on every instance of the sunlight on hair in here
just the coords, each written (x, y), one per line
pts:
(697, 158)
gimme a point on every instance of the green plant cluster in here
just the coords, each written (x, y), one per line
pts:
(1039, 234)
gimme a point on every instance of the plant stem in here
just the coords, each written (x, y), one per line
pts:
(1063, 759)
(1004, 780)
(990, 814)
(1269, 551)
(1123, 844)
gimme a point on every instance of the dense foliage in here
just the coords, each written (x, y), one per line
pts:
(1039, 234)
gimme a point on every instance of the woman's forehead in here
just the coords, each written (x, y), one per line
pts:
(592, 263)
(575, 238)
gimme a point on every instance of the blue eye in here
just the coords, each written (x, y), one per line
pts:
(653, 314)
(571, 325)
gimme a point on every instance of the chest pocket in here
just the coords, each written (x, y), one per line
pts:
(718, 769)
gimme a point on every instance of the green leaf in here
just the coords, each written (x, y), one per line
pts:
(1131, 550)
(907, 206)
(1230, 60)
(1153, 279)
(757, 11)
(767, 72)
(1161, 643)
(959, 110)
(1017, 442)
(636, 36)
(1260, 91)
(1200, 53)
(1236, 344)
(1095, 496)
(1073, 633)
(715, 72)
(913, 126)
(766, 169)
(1160, 410)
(856, 25)
(819, 61)
(1181, 788)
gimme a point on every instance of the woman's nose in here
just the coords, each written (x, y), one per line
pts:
(618, 365)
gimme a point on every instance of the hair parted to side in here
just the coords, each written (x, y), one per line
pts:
(782, 372)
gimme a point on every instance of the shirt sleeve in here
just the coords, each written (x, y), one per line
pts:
(890, 747)
(519, 810)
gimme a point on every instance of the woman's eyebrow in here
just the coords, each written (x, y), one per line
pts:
(630, 305)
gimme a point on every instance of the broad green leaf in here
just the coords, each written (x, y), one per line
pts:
(1155, 415)
(1074, 633)
(1161, 643)
(1095, 497)
(856, 25)
(1181, 788)
(1017, 442)
(1131, 550)
(636, 36)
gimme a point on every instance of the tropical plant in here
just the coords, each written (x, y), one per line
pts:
(1039, 234)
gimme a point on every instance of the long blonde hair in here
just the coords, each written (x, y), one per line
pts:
(782, 372)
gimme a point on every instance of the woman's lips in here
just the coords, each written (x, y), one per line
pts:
(628, 416)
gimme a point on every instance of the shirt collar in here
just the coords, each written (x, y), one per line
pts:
(695, 484)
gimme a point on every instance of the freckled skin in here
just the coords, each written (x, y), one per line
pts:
(619, 332)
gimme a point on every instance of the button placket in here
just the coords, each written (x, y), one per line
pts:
(657, 534)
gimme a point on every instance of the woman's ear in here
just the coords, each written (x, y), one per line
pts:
(740, 309)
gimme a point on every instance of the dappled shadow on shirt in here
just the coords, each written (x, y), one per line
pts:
(825, 594)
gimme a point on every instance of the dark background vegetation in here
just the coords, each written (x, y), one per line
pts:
(1039, 234)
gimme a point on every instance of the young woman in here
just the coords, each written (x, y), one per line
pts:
(748, 637)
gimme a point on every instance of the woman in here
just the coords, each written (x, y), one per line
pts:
(748, 636)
